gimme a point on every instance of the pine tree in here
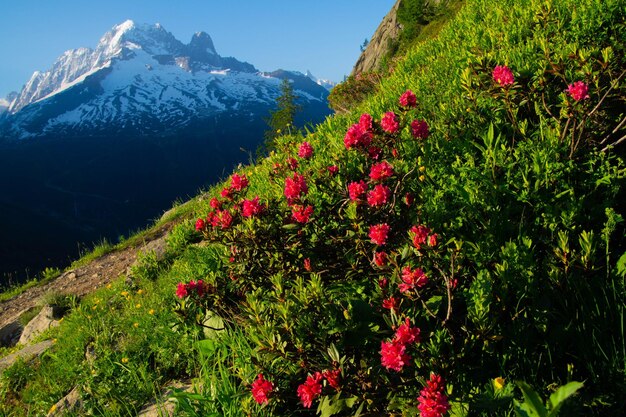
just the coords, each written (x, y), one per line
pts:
(281, 120)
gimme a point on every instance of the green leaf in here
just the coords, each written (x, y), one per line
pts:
(621, 266)
(532, 402)
(562, 394)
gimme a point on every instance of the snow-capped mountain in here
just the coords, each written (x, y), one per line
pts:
(141, 80)
(327, 84)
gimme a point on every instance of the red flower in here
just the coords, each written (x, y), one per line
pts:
(432, 400)
(432, 240)
(252, 207)
(357, 137)
(332, 377)
(379, 233)
(307, 265)
(380, 171)
(181, 290)
(201, 288)
(261, 388)
(419, 129)
(366, 122)
(200, 224)
(409, 199)
(238, 182)
(356, 190)
(380, 258)
(292, 163)
(215, 203)
(391, 303)
(406, 334)
(227, 193)
(378, 196)
(310, 390)
(393, 355)
(301, 214)
(503, 75)
(305, 151)
(382, 283)
(333, 169)
(412, 279)
(578, 91)
(390, 123)
(420, 236)
(374, 152)
(222, 218)
(408, 99)
(295, 187)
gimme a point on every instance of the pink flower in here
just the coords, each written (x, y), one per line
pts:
(252, 207)
(366, 122)
(215, 203)
(181, 290)
(419, 129)
(380, 171)
(357, 137)
(238, 182)
(378, 196)
(578, 91)
(356, 190)
(200, 224)
(379, 233)
(420, 235)
(390, 123)
(292, 163)
(432, 400)
(333, 169)
(295, 187)
(391, 303)
(261, 388)
(503, 75)
(305, 151)
(408, 99)
(332, 377)
(406, 334)
(412, 279)
(310, 389)
(393, 355)
(301, 214)
(380, 258)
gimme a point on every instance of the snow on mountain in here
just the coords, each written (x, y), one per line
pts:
(327, 84)
(140, 77)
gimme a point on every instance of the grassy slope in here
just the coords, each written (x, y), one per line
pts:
(470, 195)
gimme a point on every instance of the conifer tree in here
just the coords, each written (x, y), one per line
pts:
(281, 120)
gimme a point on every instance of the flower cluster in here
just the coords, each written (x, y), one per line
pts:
(578, 91)
(261, 388)
(421, 235)
(379, 233)
(305, 151)
(393, 353)
(295, 187)
(432, 400)
(503, 75)
(192, 288)
(312, 386)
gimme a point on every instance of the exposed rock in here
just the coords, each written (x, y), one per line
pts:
(164, 406)
(10, 333)
(28, 353)
(39, 324)
(68, 404)
(388, 30)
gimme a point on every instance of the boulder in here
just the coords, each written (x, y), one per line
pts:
(39, 324)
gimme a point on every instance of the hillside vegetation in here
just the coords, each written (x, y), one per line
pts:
(453, 246)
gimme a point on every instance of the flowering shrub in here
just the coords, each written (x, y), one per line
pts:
(445, 240)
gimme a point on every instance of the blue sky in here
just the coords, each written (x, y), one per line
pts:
(322, 36)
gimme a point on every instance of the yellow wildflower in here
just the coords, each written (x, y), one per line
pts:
(151, 312)
(498, 383)
(135, 325)
(124, 360)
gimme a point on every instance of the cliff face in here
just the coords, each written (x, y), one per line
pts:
(388, 29)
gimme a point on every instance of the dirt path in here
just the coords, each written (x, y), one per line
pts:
(85, 279)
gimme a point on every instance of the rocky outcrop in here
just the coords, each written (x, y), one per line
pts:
(378, 46)
(46, 319)
(68, 404)
(26, 354)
